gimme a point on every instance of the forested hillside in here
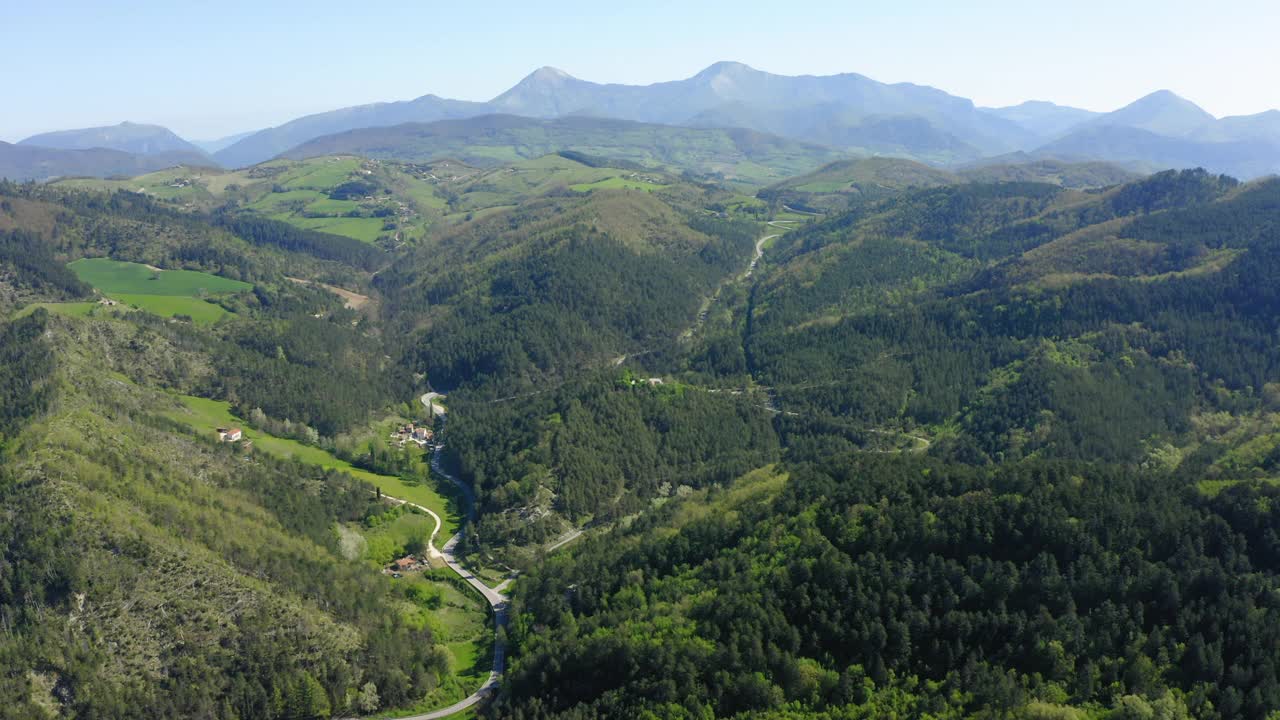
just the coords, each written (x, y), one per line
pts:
(1018, 320)
(869, 587)
(560, 283)
(960, 447)
(150, 570)
(153, 572)
(1027, 438)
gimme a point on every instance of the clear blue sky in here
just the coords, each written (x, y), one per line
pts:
(212, 69)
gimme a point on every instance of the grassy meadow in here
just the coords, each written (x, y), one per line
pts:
(167, 293)
(204, 414)
(116, 276)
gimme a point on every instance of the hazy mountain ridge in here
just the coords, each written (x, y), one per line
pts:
(268, 143)
(494, 139)
(136, 138)
(847, 112)
(27, 162)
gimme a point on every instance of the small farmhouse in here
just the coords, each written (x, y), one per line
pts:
(229, 434)
(407, 563)
(413, 433)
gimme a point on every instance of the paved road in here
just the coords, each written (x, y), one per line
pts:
(496, 599)
(759, 254)
(430, 401)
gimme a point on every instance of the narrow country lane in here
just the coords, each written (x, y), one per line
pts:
(496, 599)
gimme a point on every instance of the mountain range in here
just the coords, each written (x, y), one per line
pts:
(29, 162)
(847, 112)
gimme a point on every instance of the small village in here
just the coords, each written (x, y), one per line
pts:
(419, 435)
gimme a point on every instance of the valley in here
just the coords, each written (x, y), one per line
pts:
(556, 416)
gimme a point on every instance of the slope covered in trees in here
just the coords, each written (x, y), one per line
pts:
(559, 283)
(150, 572)
(1006, 449)
(867, 586)
(1019, 320)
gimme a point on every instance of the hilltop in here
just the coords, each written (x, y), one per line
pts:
(134, 138)
(379, 202)
(734, 155)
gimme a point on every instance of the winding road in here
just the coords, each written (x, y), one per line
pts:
(496, 599)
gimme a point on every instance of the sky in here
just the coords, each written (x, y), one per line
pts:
(206, 70)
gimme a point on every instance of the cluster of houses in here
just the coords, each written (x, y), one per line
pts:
(419, 435)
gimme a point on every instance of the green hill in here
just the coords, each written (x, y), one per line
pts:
(153, 571)
(378, 202)
(834, 187)
(944, 422)
(994, 446)
(740, 156)
(576, 278)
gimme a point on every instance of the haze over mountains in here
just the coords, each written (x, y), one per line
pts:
(848, 112)
(126, 137)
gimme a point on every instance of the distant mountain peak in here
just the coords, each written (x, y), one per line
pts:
(1163, 112)
(1164, 97)
(547, 75)
(547, 71)
(725, 67)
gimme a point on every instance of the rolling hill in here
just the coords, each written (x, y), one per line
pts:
(842, 184)
(735, 155)
(377, 202)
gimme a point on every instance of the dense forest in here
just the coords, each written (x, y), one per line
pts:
(968, 449)
(1086, 380)
(560, 284)
(599, 449)
(871, 586)
(1102, 367)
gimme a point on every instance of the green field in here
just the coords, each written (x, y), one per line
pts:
(384, 543)
(320, 174)
(362, 229)
(206, 415)
(162, 292)
(614, 183)
(460, 623)
(71, 309)
(200, 312)
(115, 276)
(285, 202)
